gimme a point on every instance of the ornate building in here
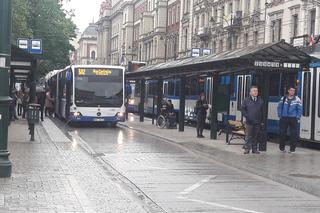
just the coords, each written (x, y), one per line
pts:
(87, 50)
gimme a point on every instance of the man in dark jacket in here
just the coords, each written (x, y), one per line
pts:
(252, 110)
(201, 112)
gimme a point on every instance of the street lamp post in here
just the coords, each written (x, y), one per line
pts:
(5, 57)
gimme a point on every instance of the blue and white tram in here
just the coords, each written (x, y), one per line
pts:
(89, 93)
(308, 89)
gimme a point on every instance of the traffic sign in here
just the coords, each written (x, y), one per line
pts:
(36, 46)
(23, 43)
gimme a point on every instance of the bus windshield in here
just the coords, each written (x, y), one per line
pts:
(98, 87)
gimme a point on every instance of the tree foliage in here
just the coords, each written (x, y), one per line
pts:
(46, 20)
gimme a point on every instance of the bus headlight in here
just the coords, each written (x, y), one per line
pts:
(77, 114)
(120, 114)
(131, 101)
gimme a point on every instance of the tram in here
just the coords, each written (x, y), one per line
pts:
(88, 93)
(307, 83)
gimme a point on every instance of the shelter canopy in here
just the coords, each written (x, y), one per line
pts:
(264, 57)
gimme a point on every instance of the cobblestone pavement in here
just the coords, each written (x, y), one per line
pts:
(58, 177)
(300, 170)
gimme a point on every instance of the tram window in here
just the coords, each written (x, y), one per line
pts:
(177, 92)
(306, 93)
(239, 96)
(191, 87)
(287, 79)
(274, 88)
(171, 88)
(137, 88)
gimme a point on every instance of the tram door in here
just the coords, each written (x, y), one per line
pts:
(310, 120)
(243, 90)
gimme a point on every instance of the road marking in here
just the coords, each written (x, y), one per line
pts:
(196, 185)
(220, 205)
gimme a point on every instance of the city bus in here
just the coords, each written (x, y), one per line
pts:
(88, 93)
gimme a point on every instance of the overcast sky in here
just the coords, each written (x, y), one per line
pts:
(85, 11)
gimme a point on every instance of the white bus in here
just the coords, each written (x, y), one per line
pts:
(88, 93)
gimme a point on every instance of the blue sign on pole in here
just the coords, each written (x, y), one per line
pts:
(36, 46)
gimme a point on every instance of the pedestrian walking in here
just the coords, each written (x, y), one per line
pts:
(252, 110)
(289, 111)
(25, 102)
(41, 97)
(201, 113)
(19, 102)
(49, 104)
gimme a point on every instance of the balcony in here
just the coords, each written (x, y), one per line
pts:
(204, 33)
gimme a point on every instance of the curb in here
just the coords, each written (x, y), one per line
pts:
(285, 180)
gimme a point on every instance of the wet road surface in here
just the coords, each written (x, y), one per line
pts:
(180, 181)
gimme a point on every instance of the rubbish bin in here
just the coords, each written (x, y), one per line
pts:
(33, 113)
(32, 117)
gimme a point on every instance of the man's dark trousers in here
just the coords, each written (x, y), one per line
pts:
(252, 132)
(292, 123)
(201, 121)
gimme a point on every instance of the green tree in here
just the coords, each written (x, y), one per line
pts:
(45, 20)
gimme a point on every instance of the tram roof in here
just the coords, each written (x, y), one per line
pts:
(231, 61)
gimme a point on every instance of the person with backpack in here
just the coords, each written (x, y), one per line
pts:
(201, 113)
(289, 111)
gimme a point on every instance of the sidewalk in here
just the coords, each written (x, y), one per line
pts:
(57, 176)
(300, 170)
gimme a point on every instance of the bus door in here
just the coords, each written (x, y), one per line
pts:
(307, 102)
(317, 117)
(243, 89)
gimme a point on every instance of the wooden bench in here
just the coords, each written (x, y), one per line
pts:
(236, 129)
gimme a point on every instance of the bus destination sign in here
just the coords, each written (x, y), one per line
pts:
(95, 72)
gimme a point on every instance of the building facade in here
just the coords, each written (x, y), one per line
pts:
(87, 50)
(156, 31)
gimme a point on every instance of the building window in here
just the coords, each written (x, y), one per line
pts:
(93, 55)
(197, 24)
(230, 8)
(276, 28)
(294, 25)
(255, 38)
(214, 47)
(170, 18)
(221, 45)
(174, 15)
(257, 6)
(312, 22)
(237, 2)
(202, 19)
(186, 40)
(248, 6)
(235, 42)
(245, 40)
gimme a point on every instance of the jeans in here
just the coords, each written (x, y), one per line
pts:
(285, 123)
(252, 132)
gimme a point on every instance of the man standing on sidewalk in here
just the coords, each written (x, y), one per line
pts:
(201, 113)
(289, 111)
(252, 110)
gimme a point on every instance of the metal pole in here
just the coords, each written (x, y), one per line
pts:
(142, 98)
(5, 58)
(214, 112)
(265, 97)
(159, 94)
(231, 85)
(182, 103)
(153, 107)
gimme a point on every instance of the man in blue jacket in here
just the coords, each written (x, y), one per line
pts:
(289, 112)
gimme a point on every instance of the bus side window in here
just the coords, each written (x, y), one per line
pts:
(171, 88)
(274, 88)
(306, 93)
(177, 90)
